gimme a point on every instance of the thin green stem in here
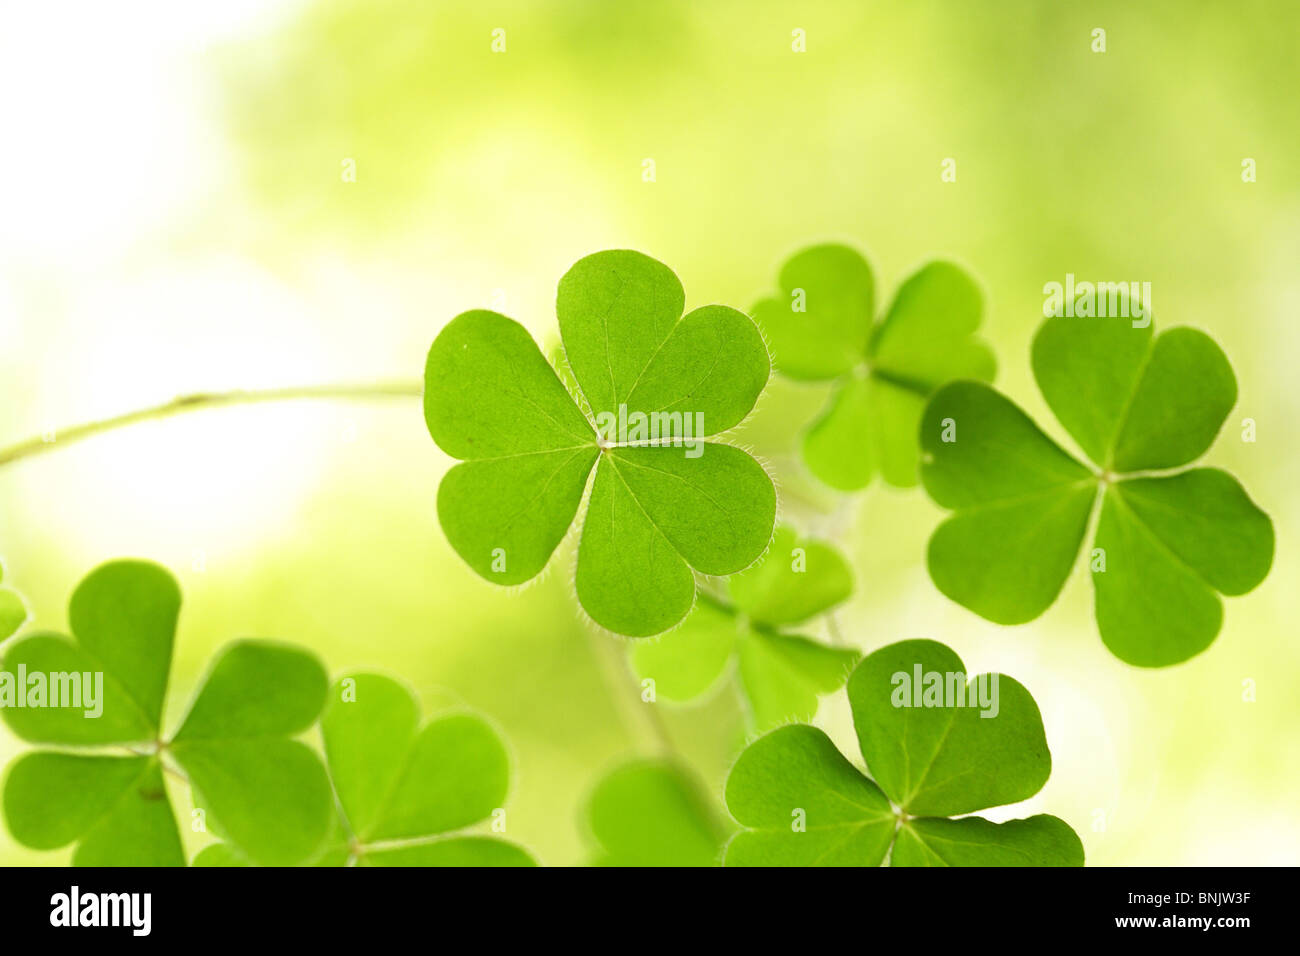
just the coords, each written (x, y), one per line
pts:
(626, 691)
(201, 400)
(833, 626)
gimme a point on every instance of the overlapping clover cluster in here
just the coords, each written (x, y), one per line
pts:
(678, 545)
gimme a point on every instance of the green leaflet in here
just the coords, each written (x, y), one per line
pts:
(930, 754)
(1042, 840)
(804, 805)
(1170, 544)
(268, 796)
(1021, 505)
(1166, 546)
(366, 740)
(798, 579)
(124, 615)
(834, 289)
(782, 675)
(664, 499)
(652, 516)
(121, 720)
(234, 747)
(115, 808)
(652, 813)
(689, 660)
(407, 788)
(233, 702)
(821, 329)
(13, 610)
(946, 760)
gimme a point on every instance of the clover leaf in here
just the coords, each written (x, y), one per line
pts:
(659, 387)
(654, 813)
(936, 746)
(266, 792)
(781, 674)
(820, 329)
(1139, 405)
(406, 787)
(13, 610)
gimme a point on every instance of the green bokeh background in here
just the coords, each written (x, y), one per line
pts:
(178, 221)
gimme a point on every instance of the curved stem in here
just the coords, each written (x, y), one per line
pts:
(201, 400)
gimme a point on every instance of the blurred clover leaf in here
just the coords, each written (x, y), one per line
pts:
(933, 752)
(406, 787)
(13, 610)
(658, 507)
(264, 791)
(653, 813)
(820, 329)
(1137, 404)
(781, 674)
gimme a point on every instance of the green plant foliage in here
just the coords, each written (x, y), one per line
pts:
(13, 610)
(654, 813)
(782, 674)
(804, 804)
(234, 746)
(407, 788)
(656, 510)
(821, 330)
(1165, 543)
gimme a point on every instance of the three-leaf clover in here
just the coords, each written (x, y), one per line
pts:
(264, 791)
(1138, 405)
(658, 506)
(821, 330)
(406, 787)
(654, 813)
(13, 610)
(781, 674)
(936, 746)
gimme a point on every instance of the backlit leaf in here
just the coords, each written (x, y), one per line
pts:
(781, 675)
(13, 612)
(690, 659)
(820, 324)
(663, 499)
(455, 773)
(784, 675)
(1042, 840)
(124, 615)
(117, 808)
(953, 758)
(368, 727)
(256, 689)
(1165, 547)
(1022, 504)
(883, 372)
(803, 804)
(797, 579)
(650, 813)
(269, 796)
